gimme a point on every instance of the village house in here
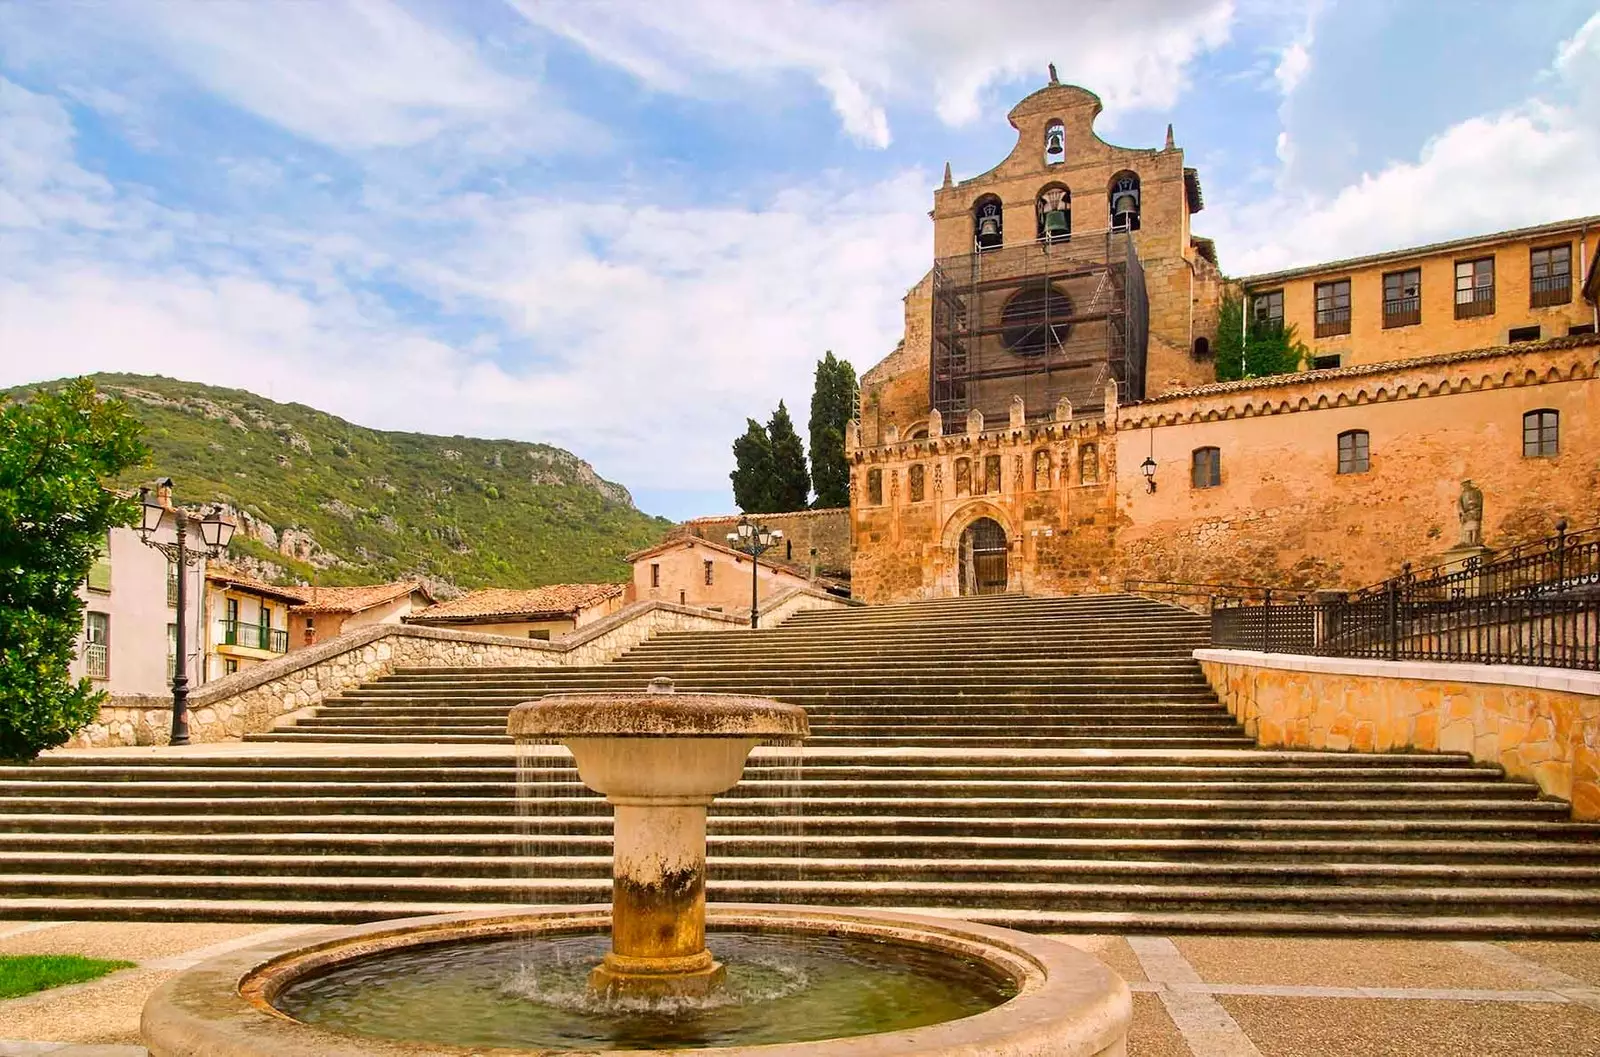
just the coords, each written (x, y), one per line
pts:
(327, 612)
(693, 571)
(534, 613)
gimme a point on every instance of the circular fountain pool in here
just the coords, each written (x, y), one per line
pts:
(800, 981)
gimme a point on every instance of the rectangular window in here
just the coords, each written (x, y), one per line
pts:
(708, 567)
(1402, 298)
(655, 575)
(1550, 276)
(172, 652)
(1581, 328)
(1353, 451)
(539, 634)
(1266, 310)
(1323, 363)
(100, 571)
(230, 665)
(97, 645)
(1475, 288)
(172, 585)
(1541, 433)
(1523, 334)
(1333, 308)
(1206, 466)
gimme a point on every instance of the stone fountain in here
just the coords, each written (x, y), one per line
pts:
(659, 758)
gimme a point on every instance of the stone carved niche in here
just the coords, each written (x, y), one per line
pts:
(875, 487)
(991, 474)
(1088, 464)
(1019, 412)
(935, 424)
(1041, 470)
(1064, 410)
(974, 422)
(915, 482)
(963, 477)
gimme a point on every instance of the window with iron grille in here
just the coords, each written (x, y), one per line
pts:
(172, 652)
(1475, 288)
(1206, 467)
(1353, 451)
(708, 567)
(172, 585)
(1333, 308)
(655, 575)
(1266, 310)
(1541, 433)
(1402, 298)
(97, 645)
(1550, 275)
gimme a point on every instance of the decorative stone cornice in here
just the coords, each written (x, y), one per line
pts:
(1502, 367)
(1026, 436)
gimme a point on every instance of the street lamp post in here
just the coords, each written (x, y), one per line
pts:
(215, 530)
(754, 540)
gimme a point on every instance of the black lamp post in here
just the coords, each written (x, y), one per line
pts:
(754, 540)
(215, 530)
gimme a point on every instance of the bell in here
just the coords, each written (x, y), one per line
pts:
(988, 227)
(1055, 223)
(1053, 145)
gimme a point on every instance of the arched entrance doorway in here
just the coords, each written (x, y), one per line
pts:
(983, 558)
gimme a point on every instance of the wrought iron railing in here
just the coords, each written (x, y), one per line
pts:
(1546, 290)
(1478, 301)
(254, 636)
(96, 660)
(1402, 311)
(1537, 605)
(1332, 321)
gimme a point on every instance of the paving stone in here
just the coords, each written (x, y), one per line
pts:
(1341, 963)
(1291, 1027)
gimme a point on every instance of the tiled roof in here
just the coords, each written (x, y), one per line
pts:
(357, 599)
(228, 578)
(1347, 263)
(1357, 370)
(818, 512)
(770, 559)
(549, 601)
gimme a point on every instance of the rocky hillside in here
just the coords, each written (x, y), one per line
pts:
(323, 499)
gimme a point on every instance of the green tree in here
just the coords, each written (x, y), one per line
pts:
(752, 470)
(57, 450)
(833, 404)
(791, 484)
(1257, 351)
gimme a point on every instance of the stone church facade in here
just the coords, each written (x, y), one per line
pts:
(1048, 422)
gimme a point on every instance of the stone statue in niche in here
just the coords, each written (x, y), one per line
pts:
(974, 422)
(915, 483)
(991, 474)
(935, 424)
(1019, 412)
(963, 477)
(1469, 508)
(1041, 470)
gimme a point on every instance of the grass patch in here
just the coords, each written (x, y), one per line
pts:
(22, 974)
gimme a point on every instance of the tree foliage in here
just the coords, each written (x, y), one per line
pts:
(57, 452)
(791, 484)
(752, 470)
(1260, 351)
(833, 401)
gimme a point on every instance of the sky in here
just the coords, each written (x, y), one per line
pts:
(622, 228)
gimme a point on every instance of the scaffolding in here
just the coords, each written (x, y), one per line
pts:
(1044, 320)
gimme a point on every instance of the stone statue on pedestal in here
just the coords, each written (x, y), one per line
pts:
(1469, 508)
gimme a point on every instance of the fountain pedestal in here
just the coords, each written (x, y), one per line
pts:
(659, 758)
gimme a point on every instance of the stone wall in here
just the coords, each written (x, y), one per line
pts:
(1282, 516)
(268, 694)
(828, 530)
(1540, 724)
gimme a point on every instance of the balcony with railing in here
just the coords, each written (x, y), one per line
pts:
(1478, 301)
(1402, 311)
(1547, 290)
(1332, 322)
(254, 636)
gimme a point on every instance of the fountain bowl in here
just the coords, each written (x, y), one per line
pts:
(1066, 1003)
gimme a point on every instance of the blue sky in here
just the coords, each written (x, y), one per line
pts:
(623, 227)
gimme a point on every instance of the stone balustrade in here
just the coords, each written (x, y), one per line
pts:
(260, 697)
(1539, 724)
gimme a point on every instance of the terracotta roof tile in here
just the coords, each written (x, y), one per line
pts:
(226, 578)
(551, 600)
(357, 599)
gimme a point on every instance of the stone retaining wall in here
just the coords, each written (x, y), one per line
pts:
(281, 690)
(1540, 724)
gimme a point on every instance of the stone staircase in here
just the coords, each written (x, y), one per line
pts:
(1043, 763)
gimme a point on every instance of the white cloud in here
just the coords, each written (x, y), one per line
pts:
(1293, 65)
(921, 52)
(1529, 164)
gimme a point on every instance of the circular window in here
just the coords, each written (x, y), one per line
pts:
(1036, 320)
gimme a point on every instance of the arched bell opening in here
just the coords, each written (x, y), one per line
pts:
(1055, 143)
(983, 558)
(1125, 201)
(988, 223)
(1054, 210)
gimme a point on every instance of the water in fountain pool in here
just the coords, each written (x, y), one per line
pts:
(781, 987)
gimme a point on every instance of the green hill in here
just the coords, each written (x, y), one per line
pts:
(335, 503)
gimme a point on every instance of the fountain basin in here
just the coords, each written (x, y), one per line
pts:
(1065, 1002)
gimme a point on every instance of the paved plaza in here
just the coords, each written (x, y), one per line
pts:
(1203, 996)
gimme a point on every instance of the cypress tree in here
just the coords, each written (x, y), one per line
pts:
(791, 485)
(752, 470)
(833, 400)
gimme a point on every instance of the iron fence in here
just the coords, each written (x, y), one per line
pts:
(1537, 605)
